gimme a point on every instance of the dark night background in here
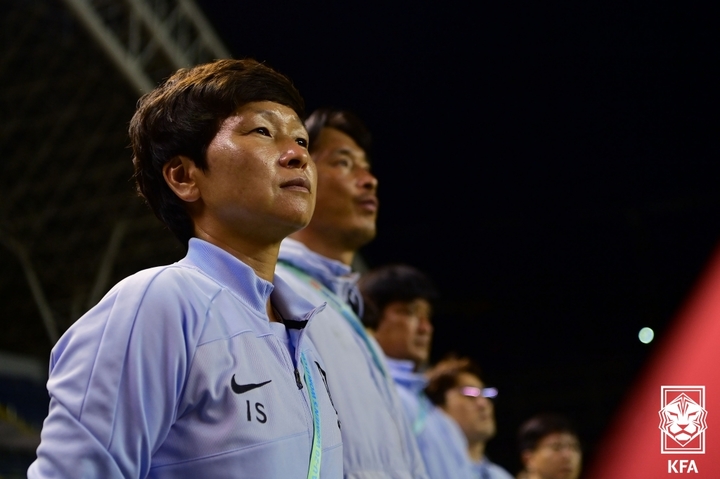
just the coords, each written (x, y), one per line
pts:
(552, 167)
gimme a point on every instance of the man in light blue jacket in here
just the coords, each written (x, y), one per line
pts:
(398, 309)
(377, 438)
(456, 387)
(203, 368)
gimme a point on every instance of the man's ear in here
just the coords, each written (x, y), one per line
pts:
(525, 456)
(180, 173)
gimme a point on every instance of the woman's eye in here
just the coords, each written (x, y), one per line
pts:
(263, 131)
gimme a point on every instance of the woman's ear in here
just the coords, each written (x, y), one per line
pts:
(179, 174)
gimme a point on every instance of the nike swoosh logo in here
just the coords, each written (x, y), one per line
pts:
(243, 388)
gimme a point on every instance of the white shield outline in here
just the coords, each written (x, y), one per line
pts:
(664, 448)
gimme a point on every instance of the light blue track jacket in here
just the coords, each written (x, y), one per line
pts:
(377, 440)
(178, 373)
(441, 441)
(489, 470)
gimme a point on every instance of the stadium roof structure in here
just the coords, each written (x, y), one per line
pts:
(71, 224)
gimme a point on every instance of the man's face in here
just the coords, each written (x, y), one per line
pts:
(347, 204)
(405, 330)
(474, 413)
(260, 182)
(557, 456)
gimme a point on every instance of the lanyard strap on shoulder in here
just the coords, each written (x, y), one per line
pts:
(316, 451)
(421, 418)
(346, 312)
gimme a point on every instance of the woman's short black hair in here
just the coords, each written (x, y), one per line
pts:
(183, 115)
(387, 284)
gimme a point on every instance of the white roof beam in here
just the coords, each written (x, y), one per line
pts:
(132, 31)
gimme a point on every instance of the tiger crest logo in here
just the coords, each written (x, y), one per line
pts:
(683, 419)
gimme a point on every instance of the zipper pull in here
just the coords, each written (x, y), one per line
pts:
(297, 379)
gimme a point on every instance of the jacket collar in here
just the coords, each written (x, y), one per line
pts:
(403, 372)
(334, 275)
(241, 279)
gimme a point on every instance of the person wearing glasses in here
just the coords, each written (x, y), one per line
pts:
(549, 448)
(455, 385)
(398, 310)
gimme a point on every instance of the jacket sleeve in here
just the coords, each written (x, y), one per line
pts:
(115, 379)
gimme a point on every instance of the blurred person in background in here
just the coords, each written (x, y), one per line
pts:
(199, 368)
(398, 309)
(456, 386)
(316, 261)
(549, 448)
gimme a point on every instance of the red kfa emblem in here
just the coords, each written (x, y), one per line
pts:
(682, 419)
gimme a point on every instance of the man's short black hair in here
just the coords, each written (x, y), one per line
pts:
(183, 115)
(540, 426)
(444, 377)
(343, 120)
(387, 284)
